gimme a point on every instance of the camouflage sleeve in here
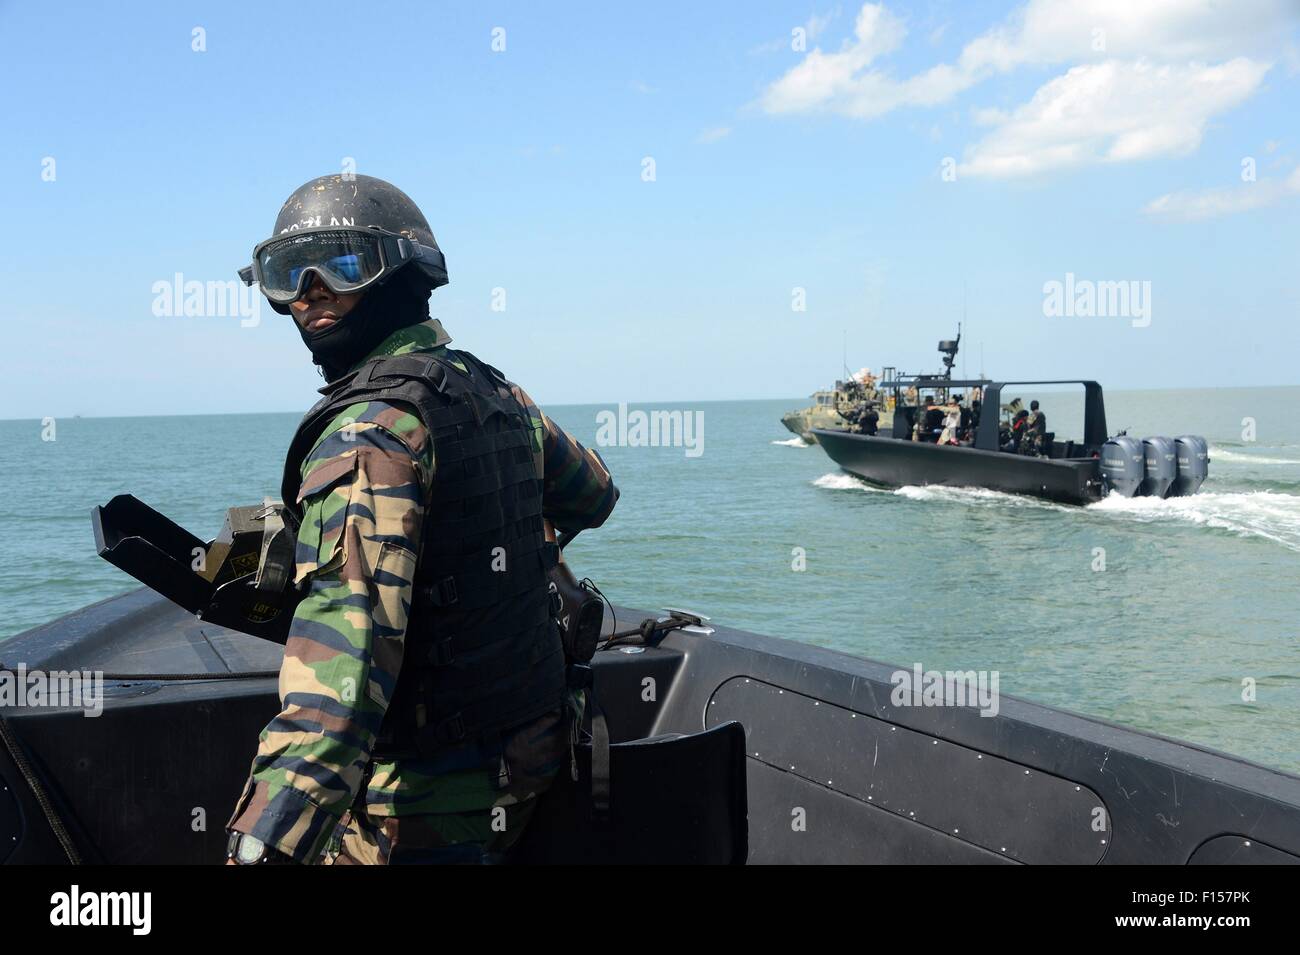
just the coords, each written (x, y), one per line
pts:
(364, 493)
(577, 490)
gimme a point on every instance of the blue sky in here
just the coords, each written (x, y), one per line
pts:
(1086, 138)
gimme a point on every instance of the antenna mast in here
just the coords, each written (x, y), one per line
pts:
(963, 320)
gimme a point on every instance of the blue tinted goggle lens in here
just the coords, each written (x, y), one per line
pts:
(345, 266)
(343, 259)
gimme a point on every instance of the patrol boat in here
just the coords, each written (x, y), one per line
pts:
(1074, 471)
(744, 734)
(839, 408)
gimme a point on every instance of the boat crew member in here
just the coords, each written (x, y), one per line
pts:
(1016, 430)
(933, 421)
(921, 418)
(869, 419)
(1035, 429)
(964, 426)
(423, 697)
(951, 422)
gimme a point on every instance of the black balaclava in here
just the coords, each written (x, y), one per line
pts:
(396, 302)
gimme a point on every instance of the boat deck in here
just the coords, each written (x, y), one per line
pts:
(880, 782)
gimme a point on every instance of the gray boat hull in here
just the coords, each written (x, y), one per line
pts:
(826, 741)
(892, 462)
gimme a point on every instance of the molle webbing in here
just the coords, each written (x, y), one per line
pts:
(482, 650)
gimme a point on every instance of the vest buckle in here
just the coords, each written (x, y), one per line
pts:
(442, 593)
(439, 379)
(451, 730)
(441, 653)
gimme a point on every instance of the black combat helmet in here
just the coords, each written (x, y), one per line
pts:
(357, 235)
(355, 205)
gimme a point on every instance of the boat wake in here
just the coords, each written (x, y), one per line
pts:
(795, 442)
(975, 496)
(1264, 514)
(839, 481)
(1241, 457)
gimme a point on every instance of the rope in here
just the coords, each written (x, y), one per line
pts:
(642, 634)
(38, 791)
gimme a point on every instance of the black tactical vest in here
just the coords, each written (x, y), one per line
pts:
(483, 652)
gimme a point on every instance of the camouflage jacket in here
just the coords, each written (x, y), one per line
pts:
(365, 487)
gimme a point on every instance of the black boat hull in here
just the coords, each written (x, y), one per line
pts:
(892, 462)
(838, 772)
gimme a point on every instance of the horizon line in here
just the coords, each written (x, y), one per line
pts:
(588, 404)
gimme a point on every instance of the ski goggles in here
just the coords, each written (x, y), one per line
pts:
(347, 260)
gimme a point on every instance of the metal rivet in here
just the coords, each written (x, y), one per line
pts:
(1247, 843)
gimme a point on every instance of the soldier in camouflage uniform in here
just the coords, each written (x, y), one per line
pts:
(1032, 441)
(315, 794)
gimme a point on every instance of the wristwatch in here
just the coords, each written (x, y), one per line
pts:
(249, 850)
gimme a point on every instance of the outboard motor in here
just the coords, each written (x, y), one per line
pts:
(1193, 465)
(1161, 467)
(1122, 467)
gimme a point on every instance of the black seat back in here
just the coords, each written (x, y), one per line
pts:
(674, 800)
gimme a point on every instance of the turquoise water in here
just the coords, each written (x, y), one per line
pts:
(1197, 595)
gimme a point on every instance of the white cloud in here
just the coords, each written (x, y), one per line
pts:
(833, 78)
(1110, 112)
(1197, 205)
(714, 134)
(1046, 32)
(1115, 49)
(816, 25)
